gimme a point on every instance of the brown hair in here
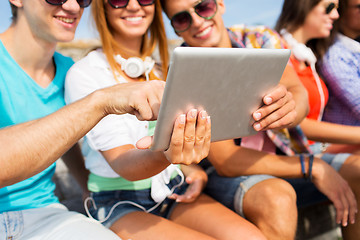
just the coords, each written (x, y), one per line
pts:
(343, 6)
(293, 15)
(13, 11)
(155, 36)
(162, 3)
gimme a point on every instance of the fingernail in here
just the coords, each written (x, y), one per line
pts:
(257, 126)
(257, 116)
(203, 114)
(208, 119)
(268, 100)
(182, 119)
(193, 113)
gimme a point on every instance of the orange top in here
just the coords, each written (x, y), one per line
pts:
(309, 81)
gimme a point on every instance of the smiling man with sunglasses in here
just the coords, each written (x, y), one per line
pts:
(248, 192)
(32, 79)
(200, 24)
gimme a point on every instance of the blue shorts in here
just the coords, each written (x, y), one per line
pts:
(107, 199)
(230, 191)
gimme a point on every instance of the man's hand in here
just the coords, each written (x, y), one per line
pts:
(139, 98)
(335, 187)
(277, 112)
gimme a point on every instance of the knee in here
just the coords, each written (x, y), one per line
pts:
(272, 208)
(271, 198)
(278, 195)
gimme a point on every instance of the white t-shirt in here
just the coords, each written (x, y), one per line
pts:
(85, 76)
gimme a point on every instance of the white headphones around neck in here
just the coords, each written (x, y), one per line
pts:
(300, 50)
(135, 67)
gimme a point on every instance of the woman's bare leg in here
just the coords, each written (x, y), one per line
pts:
(208, 216)
(146, 226)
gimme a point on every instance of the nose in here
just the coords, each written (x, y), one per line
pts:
(197, 21)
(334, 14)
(133, 5)
(71, 6)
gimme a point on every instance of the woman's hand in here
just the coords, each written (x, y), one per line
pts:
(330, 183)
(190, 140)
(197, 179)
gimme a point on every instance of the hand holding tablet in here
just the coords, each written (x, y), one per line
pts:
(228, 83)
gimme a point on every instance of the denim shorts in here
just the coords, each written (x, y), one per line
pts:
(230, 191)
(106, 200)
(53, 222)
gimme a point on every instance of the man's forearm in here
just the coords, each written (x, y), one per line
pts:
(293, 84)
(302, 107)
(29, 148)
(230, 160)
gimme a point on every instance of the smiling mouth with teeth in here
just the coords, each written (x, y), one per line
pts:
(133, 19)
(66, 20)
(203, 33)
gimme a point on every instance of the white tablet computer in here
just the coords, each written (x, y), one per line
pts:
(229, 83)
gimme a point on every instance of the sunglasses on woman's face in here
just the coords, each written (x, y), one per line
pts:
(124, 3)
(182, 21)
(82, 3)
(330, 6)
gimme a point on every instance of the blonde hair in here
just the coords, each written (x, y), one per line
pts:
(154, 36)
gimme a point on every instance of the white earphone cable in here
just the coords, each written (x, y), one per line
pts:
(130, 202)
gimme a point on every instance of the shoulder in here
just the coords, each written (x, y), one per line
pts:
(91, 65)
(91, 72)
(258, 36)
(345, 44)
(93, 59)
(344, 49)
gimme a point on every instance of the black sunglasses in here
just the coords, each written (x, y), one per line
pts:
(182, 21)
(82, 3)
(330, 6)
(124, 3)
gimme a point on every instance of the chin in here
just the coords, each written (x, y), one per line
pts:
(66, 38)
(323, 34)
(326, 35)
(209, 42)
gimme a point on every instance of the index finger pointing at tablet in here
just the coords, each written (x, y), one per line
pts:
(146, 102)
(156, 96)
